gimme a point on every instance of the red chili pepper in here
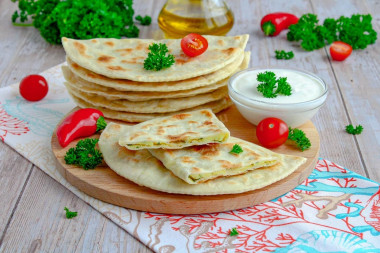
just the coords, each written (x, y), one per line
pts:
(81, 123)
(272, 24)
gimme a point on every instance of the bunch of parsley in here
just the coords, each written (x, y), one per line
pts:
(77, 19)
(356, 30)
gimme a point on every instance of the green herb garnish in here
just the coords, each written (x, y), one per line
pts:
(354, 130)
(70, 214)
(77, 19)
(356, 31)
(233, 232)
(100, 123)
(84, 154)
(236, 149)
(157, 58)
(144, 20)
(300, 138)
(270, 86)
(282, 55)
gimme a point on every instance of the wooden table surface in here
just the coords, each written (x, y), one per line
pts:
(31, 202)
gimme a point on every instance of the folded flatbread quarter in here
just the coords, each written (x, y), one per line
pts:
(176, 131)
(197, 164)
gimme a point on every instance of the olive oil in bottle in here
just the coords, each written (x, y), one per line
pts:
(181, 17)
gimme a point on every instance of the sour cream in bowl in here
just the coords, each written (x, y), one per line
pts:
(309, 92)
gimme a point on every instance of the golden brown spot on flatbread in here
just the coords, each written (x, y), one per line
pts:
(193, 122)
(137, 135)
(123, 152)
(220, 42)
(179, 137)
(227, 164)
(146, 126)
(80, 47)
(132, 61)
(105, 58)
(181, 116)
(115, 127)
(75, 66)
(109, 43)
(187, 159)
(207, 113)
(195, 170)
(94, 41)
(160, 130)
(229, 51)
(106, 135)
(207, 123)
(140, 46)
(211, 149)
(115, 68)
(128, 50)
(170, 126)
(65, 39)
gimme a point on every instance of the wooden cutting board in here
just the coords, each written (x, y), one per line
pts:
(104, 184)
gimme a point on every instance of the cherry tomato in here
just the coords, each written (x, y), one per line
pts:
(272, 132)
(194, 44)
(33, 87)
(339, 50)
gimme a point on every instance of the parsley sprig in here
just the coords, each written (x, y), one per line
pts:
(300, 138)
(157, 58)
(356, 30)
(354, 130)
(84, 154)
(234, 232)
(282, 55)
(270, 86)
(146, 20)
(77, 19)
(70, 214)
(236, 149)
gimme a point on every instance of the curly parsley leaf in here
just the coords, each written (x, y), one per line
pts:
(157, 58)
(70, 214)
(299, 137)
(233, 232)
(356, 30)
(354, 130)
(84, 154)
(77, 19)
(144, 20)
(236, 149)
(282, 55)
(270, 86)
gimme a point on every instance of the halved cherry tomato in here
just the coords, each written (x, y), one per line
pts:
(272, 132)
(33, 87)
(194, 44)
(340, 50)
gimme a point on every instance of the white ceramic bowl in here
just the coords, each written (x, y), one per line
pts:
(294, 113)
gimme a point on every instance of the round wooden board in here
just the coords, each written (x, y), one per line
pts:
(104, 184)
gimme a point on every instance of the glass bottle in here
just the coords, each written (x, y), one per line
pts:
(181, 17)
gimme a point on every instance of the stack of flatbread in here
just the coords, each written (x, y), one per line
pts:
(109, 74)
(190, 153)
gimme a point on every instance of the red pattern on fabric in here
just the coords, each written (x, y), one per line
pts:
(11, 125)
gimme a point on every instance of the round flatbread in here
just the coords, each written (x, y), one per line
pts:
(124, 58)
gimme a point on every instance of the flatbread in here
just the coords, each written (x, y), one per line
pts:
(128, 85)
(124, 58)
(197, 164)
(143, 169)
(111, 93)
(150, 106)
(176, 131)
(215, 106)
(77, 82)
